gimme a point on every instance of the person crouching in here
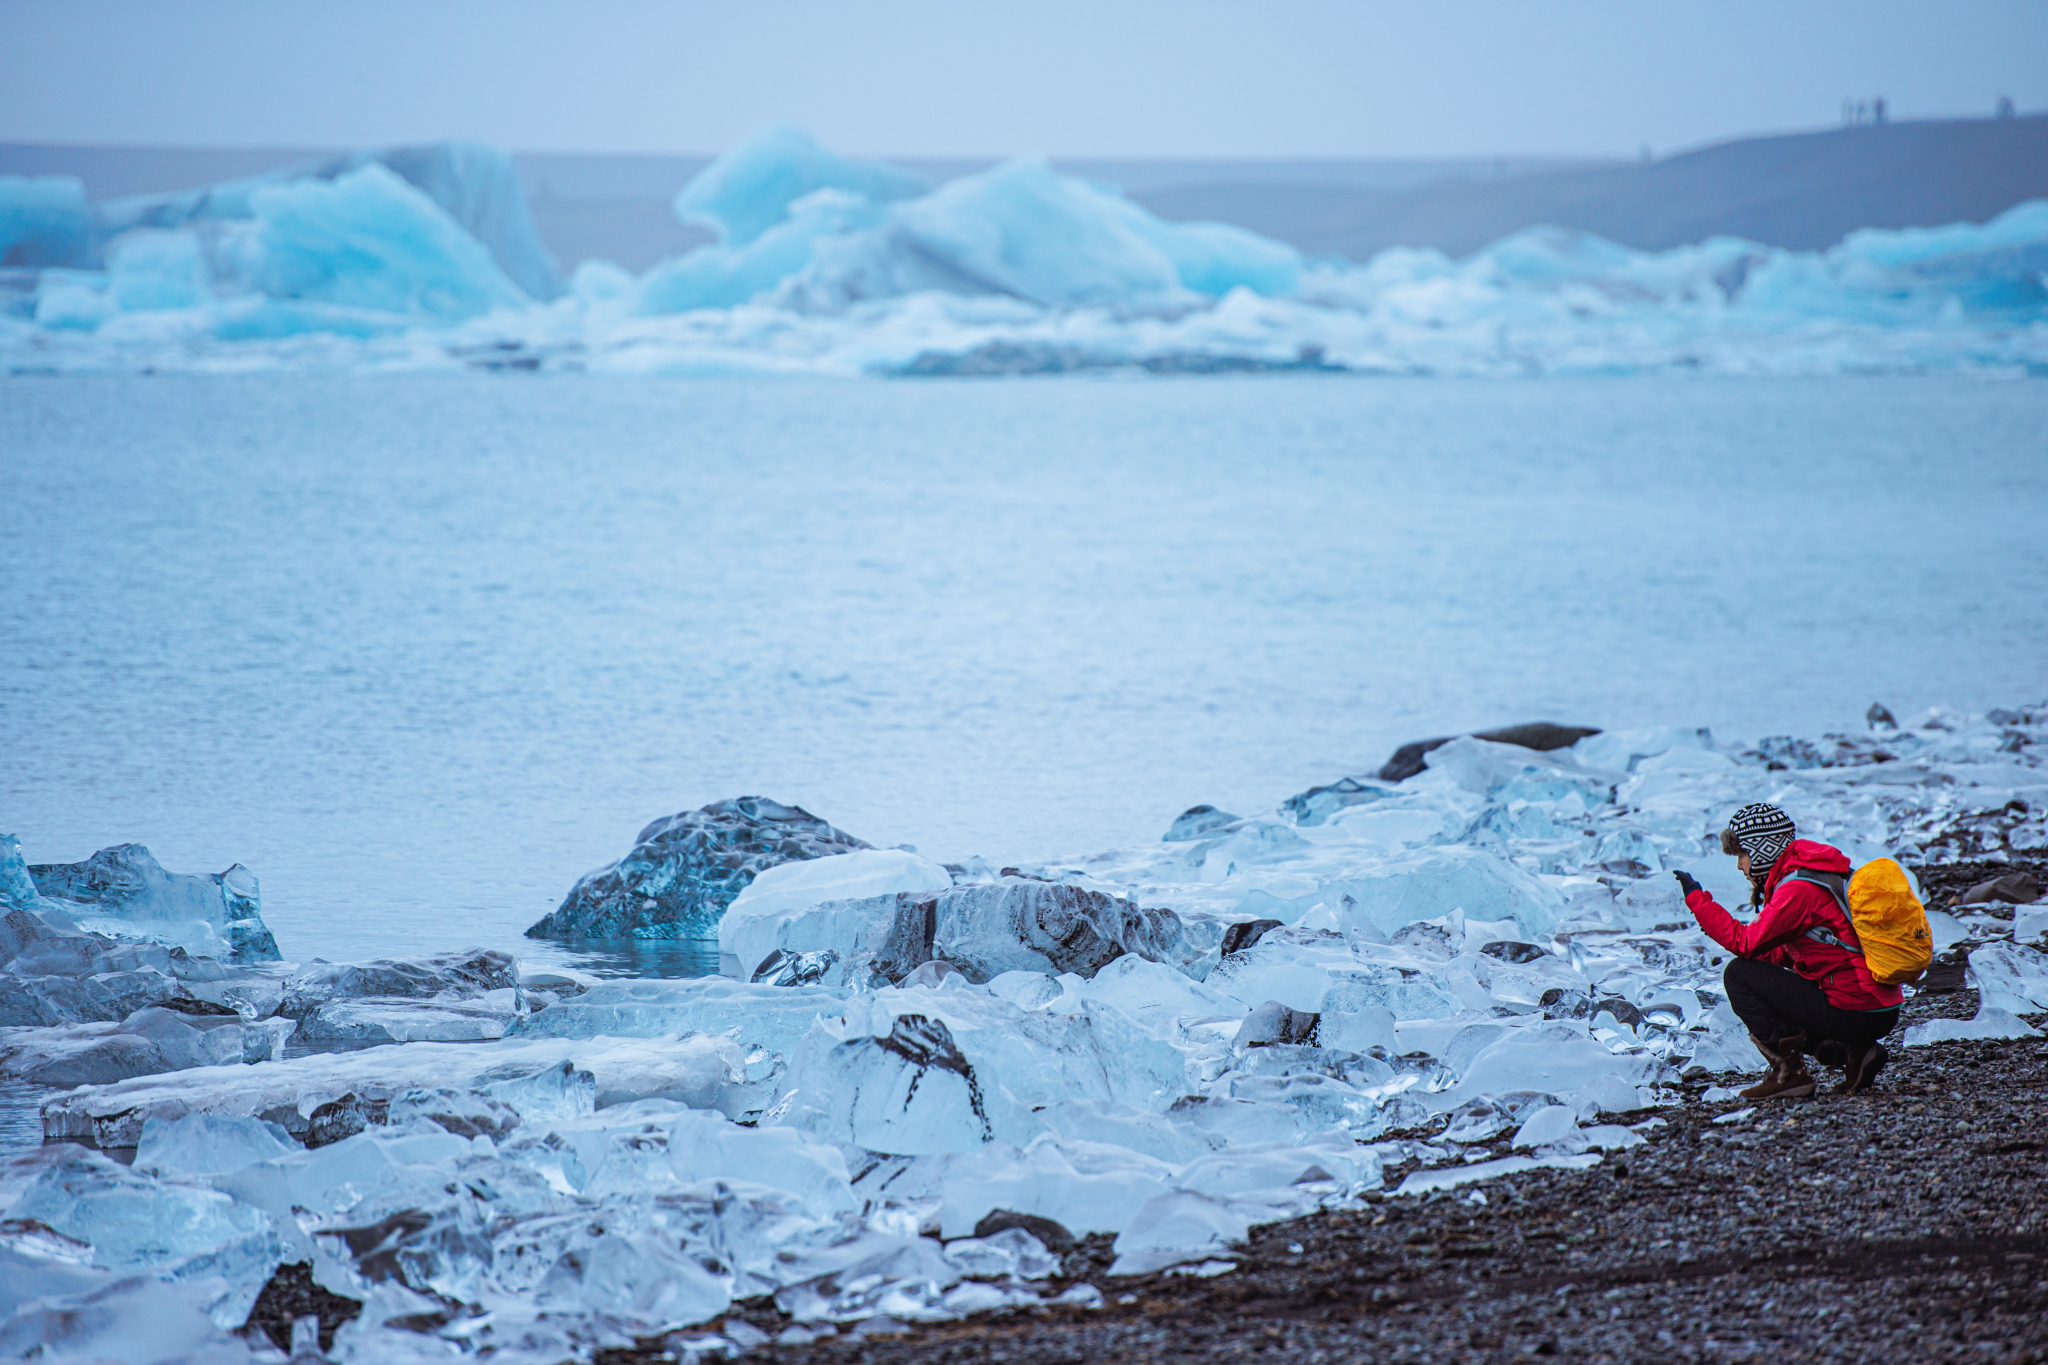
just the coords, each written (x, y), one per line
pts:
(1798, 978)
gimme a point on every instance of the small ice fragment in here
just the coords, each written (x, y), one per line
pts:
(1735, 1116)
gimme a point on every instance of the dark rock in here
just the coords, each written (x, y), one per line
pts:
(291, 1294)
(1509, 951)
(796, 969)
(1880, 717)
(2014, 888)
(1239, 937)
(1541, 736)
(685, 869)
(1194, 822)
(1054, 1236)
(345, 1117)
(1830, 751)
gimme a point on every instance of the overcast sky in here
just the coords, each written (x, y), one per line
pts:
(1073, 77)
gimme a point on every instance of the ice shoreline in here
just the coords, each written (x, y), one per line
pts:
(1384, 976)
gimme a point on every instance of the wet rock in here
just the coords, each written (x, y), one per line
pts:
(1194, 822)
(1541, 736)
(1830, 751)
(1054, 1236)
(1510, 951)
(1239, 937)
(345, 1117)
(2014, 888)
(290, 1294)
(1880, 717)
(685, 869)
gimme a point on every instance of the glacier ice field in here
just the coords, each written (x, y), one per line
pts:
(906, 1073)
(427, 258)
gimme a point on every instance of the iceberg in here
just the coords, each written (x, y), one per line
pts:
(683, 871)
(427, 258)
(44, 221)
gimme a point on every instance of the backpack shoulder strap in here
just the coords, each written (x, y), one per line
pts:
(1837, 886)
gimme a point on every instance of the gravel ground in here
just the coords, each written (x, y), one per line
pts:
(1910, 1223)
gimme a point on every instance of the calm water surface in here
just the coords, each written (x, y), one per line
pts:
(422, 650)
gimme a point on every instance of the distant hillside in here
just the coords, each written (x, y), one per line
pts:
(1802, 190)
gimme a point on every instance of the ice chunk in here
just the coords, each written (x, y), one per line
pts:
(368, 240)
(467, 974)
(683, 871)
(1432, 882)
(1549, 1126)
(776, 911)
(17, 887)
(2029, 924)
(698, 1070)
(1013, 1251)
(1621, 750)
(1022, 231)
(209, 1144)
(1450, 1177)
(134, 1321)
(706, 1147)
(1318, 804)
(750, 189)
(399, 1020)
(127, 886)
(1990, 1022)
(1196, 822)
(2010, 977)
(1083, 1186)
(44, 220)
(1175, 1228)
(944, 1071)
(179, 1231)
(1021, 924)
(772, 1017)
(1553, 1058)
(149, 268)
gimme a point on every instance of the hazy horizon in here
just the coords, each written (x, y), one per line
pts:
(912, 79)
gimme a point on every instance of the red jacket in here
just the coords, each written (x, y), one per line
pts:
(1779, 932)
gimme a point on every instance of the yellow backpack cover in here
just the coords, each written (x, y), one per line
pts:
(1890, 922)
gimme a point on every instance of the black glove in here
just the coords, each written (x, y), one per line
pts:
(1685, 882)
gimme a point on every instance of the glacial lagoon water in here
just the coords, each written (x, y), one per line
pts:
(422, 649)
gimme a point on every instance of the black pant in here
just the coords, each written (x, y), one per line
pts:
(1775, 1001)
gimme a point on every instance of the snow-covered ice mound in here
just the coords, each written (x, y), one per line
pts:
(427, 258)
(1477, 970)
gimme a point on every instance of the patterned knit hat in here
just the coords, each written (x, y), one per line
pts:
(1763, 832)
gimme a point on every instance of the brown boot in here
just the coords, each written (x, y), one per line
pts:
(1865, 1061)
(1789, 1078)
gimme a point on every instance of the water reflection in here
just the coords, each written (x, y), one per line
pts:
(645, 957)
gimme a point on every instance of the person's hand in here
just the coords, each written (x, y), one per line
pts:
(1686, 884)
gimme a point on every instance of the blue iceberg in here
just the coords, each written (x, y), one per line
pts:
(427, 257)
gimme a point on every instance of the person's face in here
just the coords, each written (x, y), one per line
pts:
(1742, 861)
